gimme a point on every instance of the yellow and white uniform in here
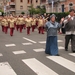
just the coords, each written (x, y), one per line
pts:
(40, 23)
(21, 21)
(12, 21)
(33, 21)
(4, 22)
(28, 22)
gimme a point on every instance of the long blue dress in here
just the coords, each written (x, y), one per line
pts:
(51, 42)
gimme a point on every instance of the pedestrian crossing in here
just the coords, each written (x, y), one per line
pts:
(39, 50)
(19, 52)
(29, 40)
(1, 54)
(6, 69)
(10, 45)
(34, 64)
(63, 62)
(39, 67)
(27, 43)
(44, 42)
(72, 54)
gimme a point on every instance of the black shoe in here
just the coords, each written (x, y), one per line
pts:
(57, 55)
(73, 51)
(66, 49)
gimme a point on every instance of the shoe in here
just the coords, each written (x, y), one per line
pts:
(66, 49)
(57, 55)
(73, 51)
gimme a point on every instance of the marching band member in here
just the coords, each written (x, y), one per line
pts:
(33, 23)
(11, 21)
(28, 21)
(41, 25)
(17, 23)
(21, 22)
(5, 24)
(24, 21)
(15, 18)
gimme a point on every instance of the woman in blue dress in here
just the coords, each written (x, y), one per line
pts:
(51, 43)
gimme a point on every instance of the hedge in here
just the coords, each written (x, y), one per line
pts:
(60, 15)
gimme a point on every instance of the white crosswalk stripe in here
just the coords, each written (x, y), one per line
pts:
(42, 49)
(38, 67)
(60, 47)
(19, 52)
(1, 54)
(72, 54)
(39, 50)
(29, 40)
(10, 45)
(63, 62)
(60, 41)
(44, 42)
(27, 43)
(5, 69)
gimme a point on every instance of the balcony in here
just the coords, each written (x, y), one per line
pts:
(29, 4)
(12, 3)
(12, 9)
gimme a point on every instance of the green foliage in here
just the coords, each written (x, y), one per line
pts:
(37, 10)
(60, 15)
(22, 13)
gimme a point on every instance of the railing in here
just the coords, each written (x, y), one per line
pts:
(12, 3)
(12, 9)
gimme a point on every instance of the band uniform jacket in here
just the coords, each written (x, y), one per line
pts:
(4, 22)
(21, 21)
(40, 23)
(33, 22)
(12, 23)
(28, 22)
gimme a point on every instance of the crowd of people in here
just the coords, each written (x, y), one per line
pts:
(23, 22)
(43, 23)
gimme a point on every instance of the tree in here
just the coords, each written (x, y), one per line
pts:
(41, 9)
(38, 10)
(31, 10)
(22, 13)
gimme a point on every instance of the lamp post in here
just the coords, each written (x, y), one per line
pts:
(52, 5)
(5, 6)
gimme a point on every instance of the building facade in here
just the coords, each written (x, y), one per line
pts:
(59, 5)
(18, 6)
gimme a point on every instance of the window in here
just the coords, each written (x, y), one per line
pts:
(43, 0)
(31, 1)
(21, 7)
(36, 1)
(28, 1)
(70, 6)
(21, 0)
(62, 7)
(12, 0)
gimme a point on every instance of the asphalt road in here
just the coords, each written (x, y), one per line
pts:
(24, 54)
